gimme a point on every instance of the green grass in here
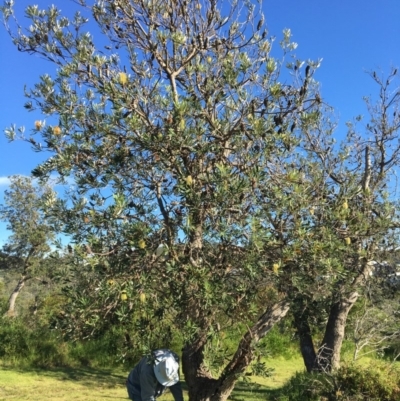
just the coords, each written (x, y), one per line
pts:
(92, 384)
(87, 384)
(284, 369)
(61, 384)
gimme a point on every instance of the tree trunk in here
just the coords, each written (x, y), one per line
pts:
(202, 387)
(306, 342)
(329, 356)
(11, 302)
(24, 278)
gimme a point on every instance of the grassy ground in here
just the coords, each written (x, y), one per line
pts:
(88, 384)
(61, 385)
(260, 388)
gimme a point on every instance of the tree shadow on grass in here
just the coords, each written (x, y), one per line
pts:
(246, 391)
(116, 377)
(88, 376)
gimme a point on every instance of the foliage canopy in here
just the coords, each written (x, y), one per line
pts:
(208, 188)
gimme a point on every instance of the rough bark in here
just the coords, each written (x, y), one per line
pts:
(201, 385)
(329, 356)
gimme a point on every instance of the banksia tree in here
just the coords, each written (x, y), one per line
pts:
(185, 131)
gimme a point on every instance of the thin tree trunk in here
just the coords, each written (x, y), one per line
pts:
(11, 302)
(21, 283)
(202, 387)
(245, 351)
(306, 341)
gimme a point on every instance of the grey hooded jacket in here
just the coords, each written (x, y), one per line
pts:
(142, 384)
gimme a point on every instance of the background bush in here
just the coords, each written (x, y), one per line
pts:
(280, 342)
(377, 382)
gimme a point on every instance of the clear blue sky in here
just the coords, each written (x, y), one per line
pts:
(352, 36)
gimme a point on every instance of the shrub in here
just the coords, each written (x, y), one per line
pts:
(380, 382)
(102, 351)
(14, 340)
(302, 387)
(47, 349)
(20, 345)
(279, 343)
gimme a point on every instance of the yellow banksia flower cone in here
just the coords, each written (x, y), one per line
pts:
(189, 180)
(142, 297)
(38, 124)
(142, 244)
(123, 78)
(347, 240)
(124, 295)
(56, 130)
(275, 268)
(345, 205)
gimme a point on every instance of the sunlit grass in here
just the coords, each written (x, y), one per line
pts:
(61, 385)
(284, 369)
(86, 384)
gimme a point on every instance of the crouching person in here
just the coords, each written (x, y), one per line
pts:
(153, 375)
